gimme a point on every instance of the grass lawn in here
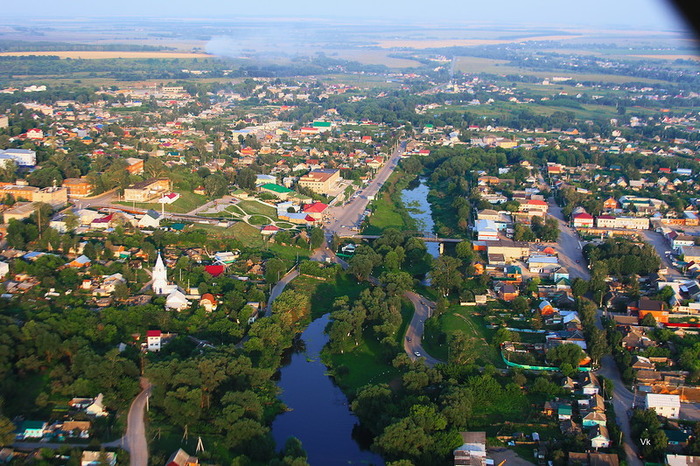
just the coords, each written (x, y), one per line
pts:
(323, 293)
(255, 207)
(386, 213)
(460, 318)
(362, 366)
(258, 220)
(284, 225)
(366, 363)
(235, 210)
(187, 202)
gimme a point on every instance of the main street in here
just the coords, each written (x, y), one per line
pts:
(568, 246)
(623, 401)
(661, 246)
(345, 219)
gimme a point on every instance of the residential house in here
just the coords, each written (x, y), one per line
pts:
(564, 412)
(582, 220)
(506, 291)
(151, 219)
(80, 429)
(182, 458)
(682, 460)
(667, 406)
(569, 427)
(96, 408)
(31, 429)
(599, 437)
(208, 302)
(640, 362)
(594, 418)
(473, 449)
(77, 187)
(98, 458)
(690, 253)
(655, 307)
(176, 301)
(589, 383)
(154, 340)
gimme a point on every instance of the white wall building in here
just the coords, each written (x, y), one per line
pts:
(668, 406)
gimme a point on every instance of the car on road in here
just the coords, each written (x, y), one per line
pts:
(578, 261)
(408, 338)
(417, 353)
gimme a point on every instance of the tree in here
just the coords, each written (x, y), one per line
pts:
(568, 353)
(246, 178)
(445, 275)
(274, 269)
(216, 185)
(502, 335)
(7, 431)
(316, 238)
(648, 321)
(461, 349)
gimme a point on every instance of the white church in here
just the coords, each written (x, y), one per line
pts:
(176, 299)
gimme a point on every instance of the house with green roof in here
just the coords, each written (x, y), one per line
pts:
(280, 191)
(31, 429)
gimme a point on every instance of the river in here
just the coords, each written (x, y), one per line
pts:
(319, 415)
(415, 198)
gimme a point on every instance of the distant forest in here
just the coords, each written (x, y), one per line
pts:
(26, 46)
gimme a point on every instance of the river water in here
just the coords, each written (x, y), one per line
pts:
(415, 198)
(319, 415)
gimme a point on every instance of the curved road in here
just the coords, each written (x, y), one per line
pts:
(414, 333)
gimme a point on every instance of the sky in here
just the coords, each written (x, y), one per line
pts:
(627, 14)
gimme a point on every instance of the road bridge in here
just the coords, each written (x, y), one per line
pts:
(428, 239)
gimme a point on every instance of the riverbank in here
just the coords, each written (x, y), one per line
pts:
(388, 210)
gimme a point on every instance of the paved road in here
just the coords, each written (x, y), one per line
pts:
(623, 402)
(135, 438)
(659, 243)
(690, 411)
(414, 333)
(345, 218)
(279, 287)
(569, 247)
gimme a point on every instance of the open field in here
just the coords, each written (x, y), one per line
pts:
(93, 55)
(670, 57)
(255, 207)
(495, 66)
(431, 43)
(375, 57)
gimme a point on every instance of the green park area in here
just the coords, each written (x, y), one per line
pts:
(465, 320)
(369, 362)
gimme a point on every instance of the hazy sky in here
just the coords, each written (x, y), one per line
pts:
(644, 14)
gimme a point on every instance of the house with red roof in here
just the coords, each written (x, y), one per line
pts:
(208, 302)
(582, 220)
(214, 270)
(153, 340)
(315, 210)
(269, 230)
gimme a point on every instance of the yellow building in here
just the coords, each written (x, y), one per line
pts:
(320, 181)
(146, 191)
